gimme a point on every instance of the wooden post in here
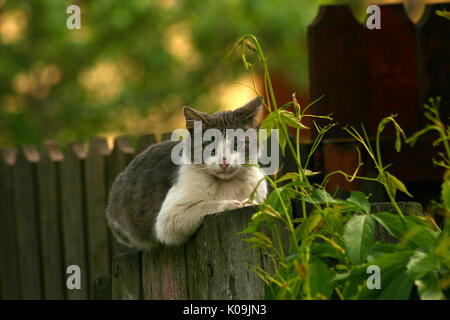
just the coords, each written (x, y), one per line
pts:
(50, 221)
(102, 288)
(73, 217)
(214, 264)
(164, 273)
(9, 254)
(219, 262)
(127, 276)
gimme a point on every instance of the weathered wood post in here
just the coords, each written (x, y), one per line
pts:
(214, 264)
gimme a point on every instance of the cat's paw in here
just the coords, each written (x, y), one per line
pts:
(231, 205)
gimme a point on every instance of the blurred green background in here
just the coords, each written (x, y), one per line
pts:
(134, 64)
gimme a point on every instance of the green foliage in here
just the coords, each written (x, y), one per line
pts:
(358, 238)
(332, 243)
(141, 67)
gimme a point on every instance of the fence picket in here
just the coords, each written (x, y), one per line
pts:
(95, 195)
(9, 255)
(50, 221)
(73, 217)
(25, 197)
(144, 142)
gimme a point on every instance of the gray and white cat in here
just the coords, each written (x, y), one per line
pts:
(156, 201)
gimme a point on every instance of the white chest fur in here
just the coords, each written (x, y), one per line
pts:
(196, 194)
(195, 184)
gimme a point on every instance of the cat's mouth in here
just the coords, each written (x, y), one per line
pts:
(225, 174)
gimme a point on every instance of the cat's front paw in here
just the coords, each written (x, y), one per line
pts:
(230, 205)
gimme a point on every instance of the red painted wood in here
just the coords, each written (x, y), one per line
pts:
(369, 74)
(337, 67)
(434, 66)
(392, 82)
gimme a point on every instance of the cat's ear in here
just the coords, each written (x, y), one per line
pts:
(251, 111)
(191, 115)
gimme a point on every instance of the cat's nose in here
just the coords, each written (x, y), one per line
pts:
(224, 166)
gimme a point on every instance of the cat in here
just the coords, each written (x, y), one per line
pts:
(155, 201)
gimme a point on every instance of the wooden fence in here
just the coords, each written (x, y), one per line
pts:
(52, 215)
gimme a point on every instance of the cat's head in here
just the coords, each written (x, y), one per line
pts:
(229, 139)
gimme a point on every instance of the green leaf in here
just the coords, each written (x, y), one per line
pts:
(398, 142)
(428, 287)
(443, 13)
(393, 261)
(319, 278)
(325, 249)
(417, 231)
(295, 177)
(391, 222)
(291, 120)
(319, 196)
(358, 198)
(286, 193)
(310, 173)
(420, 264)
(395, 184)
(309, 224)
(398, 287)
(392, 265)
(358, 238)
